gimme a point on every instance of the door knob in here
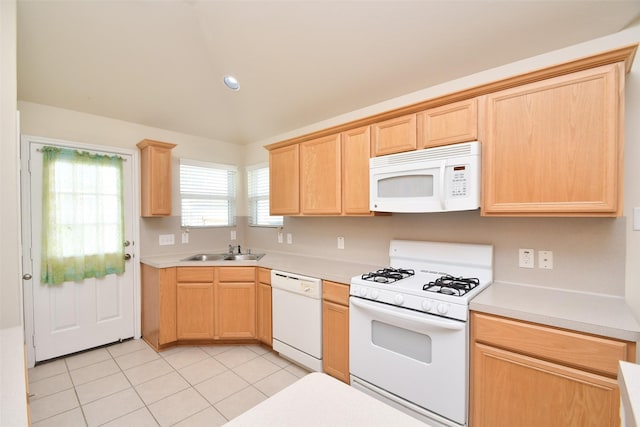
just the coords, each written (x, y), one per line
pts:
(126, 243)
(26, 276)
(127, 257)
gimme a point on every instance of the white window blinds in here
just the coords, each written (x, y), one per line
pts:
(207, 193)
(258, 198)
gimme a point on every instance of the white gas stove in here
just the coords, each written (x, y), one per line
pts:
(431, 277)
(409, 329)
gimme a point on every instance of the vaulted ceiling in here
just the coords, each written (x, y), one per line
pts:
(161, 63)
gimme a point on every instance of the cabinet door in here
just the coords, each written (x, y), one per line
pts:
(195, 310)
(236, 310)
(394, 135)
(155, 178)
(554, 147)
(356, 150)
(284, 176)
(509, 389)
(448, 124)
(264, 325)
(320, 176)
(335, 340)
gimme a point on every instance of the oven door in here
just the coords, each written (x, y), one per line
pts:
(416, 356)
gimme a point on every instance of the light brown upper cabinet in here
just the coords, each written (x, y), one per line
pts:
(155, 177)
(394, 135)
(554, 147)
(448, 124)
(356, 150)
(321, 176)
(284, 179)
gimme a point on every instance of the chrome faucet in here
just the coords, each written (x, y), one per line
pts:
(233, 248)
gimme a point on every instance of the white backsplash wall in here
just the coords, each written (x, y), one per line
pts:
(588, 253)
(201, 240)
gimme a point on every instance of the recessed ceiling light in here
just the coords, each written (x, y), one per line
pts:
(231, 82)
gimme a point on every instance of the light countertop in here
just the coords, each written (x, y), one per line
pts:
(597, 314)
(323, 268)
(318, 400)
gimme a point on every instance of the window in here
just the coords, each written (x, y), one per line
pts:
(258, 196)
(207, 194)
(82, 215)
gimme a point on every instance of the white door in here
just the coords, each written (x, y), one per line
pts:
(74, 316)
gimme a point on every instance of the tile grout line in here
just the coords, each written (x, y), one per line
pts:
(258, 355)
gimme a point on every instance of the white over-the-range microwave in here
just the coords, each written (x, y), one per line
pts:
(438, 179)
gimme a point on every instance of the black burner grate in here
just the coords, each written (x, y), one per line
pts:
(388, 275)
(450, 285)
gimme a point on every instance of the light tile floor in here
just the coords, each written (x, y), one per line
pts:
(129, 384)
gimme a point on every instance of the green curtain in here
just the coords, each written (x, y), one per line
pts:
(82, 215)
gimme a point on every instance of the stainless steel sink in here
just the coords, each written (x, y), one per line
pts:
(243, 257)
(205, 257)
(224, 257)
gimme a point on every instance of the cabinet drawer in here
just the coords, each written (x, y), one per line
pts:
(195, 274)
(335, 292)
(237, 274)
(264, 275)
(576, 349)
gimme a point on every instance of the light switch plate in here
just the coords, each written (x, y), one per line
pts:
(289, 238)
(280, 237)
(233, 234)
(185, 237)
(340, 242)
(526, 258)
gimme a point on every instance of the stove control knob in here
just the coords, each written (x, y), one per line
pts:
(375, 294)
(443, 308)
(427, 305)
(398, 299)
(363, 292)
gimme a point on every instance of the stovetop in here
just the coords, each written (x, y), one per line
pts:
(431, 277)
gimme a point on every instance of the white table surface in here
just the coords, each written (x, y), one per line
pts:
(318, 400)
(629, 380)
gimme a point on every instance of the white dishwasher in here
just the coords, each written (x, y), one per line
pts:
(297, 318)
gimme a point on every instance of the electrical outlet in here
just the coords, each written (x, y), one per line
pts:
(185, 237)
(340, 242)
(289, 238)
(526, 258)
(167, 239)
(545, 260)
(233, 234)
(280, 237)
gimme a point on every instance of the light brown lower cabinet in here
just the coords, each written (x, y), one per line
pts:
(195, 303)
(158, 305)
(236, 302)
(264, 321)
(335, 330)
(207, 304)
(526, 374)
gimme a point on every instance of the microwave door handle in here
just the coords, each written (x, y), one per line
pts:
(443, 170)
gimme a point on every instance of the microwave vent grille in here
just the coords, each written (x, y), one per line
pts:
(427, 154)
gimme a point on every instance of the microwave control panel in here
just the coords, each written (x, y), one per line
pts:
(459, 181)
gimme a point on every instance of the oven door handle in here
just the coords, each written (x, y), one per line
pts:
(425, 320)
